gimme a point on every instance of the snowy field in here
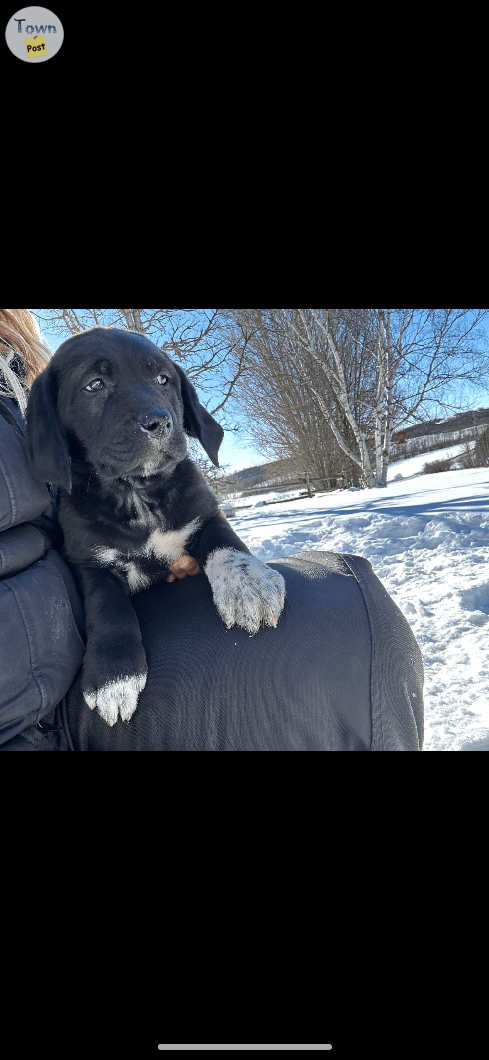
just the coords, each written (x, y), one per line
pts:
(427, 539)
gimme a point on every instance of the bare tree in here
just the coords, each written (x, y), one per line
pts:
(315, 436)
(422, 358)
(194, 338)
(367, 371)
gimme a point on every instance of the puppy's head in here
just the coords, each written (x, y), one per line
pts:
(111, 398)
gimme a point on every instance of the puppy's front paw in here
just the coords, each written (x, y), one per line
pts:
(246, 592)
(111, 691)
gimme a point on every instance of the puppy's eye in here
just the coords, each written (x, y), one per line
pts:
(162, 379)
(96, 384)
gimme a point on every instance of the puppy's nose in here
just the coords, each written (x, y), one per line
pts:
(154, 420)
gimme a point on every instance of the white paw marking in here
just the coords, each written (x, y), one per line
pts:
(117, 697)
(245, 591)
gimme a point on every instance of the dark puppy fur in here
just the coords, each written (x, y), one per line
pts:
(108, 421)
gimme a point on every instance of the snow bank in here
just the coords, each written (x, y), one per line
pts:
(427, 539)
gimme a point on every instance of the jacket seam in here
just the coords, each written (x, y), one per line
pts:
(6, 478)
(377, 661)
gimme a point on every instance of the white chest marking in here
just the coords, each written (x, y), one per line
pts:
(170, 544)
(167, 545)
(136, 580)
(105, 555)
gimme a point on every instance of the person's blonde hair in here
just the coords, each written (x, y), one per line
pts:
(23, 354)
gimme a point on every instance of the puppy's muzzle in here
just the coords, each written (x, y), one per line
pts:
(156, 422)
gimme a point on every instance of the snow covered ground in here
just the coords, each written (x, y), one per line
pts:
(427, 539)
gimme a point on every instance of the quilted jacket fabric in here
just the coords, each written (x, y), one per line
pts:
(41, 616)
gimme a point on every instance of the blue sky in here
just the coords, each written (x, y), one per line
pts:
(236, 452)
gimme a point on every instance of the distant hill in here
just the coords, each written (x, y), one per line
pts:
(259, 473)
(461, 422)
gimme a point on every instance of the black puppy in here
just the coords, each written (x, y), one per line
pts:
(107, 421)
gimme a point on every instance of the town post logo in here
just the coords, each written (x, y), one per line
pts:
(34, 34)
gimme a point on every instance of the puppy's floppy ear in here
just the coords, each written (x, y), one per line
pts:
(197, 421)
(45, 439)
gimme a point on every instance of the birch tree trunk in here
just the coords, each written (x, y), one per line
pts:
(336, 378)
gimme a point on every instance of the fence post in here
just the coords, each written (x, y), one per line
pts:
(309, 490)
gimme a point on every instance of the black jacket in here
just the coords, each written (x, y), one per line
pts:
(342, 671)
(41, 616)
